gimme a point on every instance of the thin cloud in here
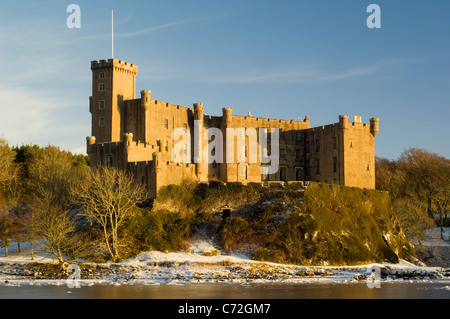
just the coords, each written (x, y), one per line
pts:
(137, 33)
(312, 74)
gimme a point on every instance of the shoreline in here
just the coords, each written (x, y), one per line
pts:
(203, 263)
(151, 268)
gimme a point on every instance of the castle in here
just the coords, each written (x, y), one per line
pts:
(136, 134)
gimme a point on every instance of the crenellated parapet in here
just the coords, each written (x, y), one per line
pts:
(114, 63)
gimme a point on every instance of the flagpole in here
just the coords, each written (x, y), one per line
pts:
(112, 33)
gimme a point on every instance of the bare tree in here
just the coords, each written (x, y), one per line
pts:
(109, 200)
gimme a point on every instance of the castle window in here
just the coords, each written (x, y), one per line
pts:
(308, 168)
(102, 75)
(307, 147)
(166, 123)
(351, 143)
(317, 145)
(101, 122)
(283, 174)
(317, 167)
(109, 161)
(101, 105)
(335, 164)
(282, 153)
(243, 151)
(298, 174)
(214, 164)
(368, 167)
(166, 146)
(243, 172)
(102, 87)
(298, 154)
(334, 142)
(298, 136)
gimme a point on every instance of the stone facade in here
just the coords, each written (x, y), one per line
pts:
(135, 134)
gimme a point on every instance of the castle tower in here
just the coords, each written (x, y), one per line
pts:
(145, 129)
(200, 165)
(113, 82)
(374, 126)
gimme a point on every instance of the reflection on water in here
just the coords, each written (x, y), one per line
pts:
(233, 291)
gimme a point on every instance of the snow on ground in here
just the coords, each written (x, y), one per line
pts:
(203, 262)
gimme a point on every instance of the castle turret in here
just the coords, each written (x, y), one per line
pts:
(343, 121)
(374, 126)
(227, 115)
(200, 166)
(128, 139)
(144, 126)
(145, 99)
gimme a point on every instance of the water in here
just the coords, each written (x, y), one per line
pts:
(415, 290)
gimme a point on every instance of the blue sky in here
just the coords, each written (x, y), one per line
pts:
(277, 59)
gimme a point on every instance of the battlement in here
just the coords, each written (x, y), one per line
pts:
(114, 63)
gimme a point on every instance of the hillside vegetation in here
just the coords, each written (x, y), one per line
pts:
(320, 224)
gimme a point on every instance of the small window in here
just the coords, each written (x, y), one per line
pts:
(102, 87)
(214, 164)
(298, 136)
(334, 142)
(335, 164)
(298, 174)
(243, 172)
(283, 174)
(317, 145)
(282, 153)
(243, 151)
(109, 161)
(308, 168)
(298, 154)
(102, 75)
(101, 105)
(166, 146)
(368, 167)
(351, 143)
(307, 147)
(166, 123)
(101, 122)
